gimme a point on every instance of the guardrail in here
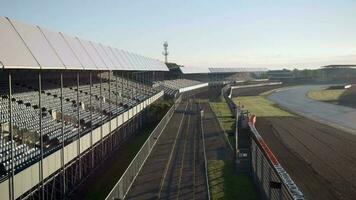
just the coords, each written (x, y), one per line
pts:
(124, 184)
(269, 176)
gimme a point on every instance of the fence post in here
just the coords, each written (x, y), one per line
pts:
(121, 190)
(262, 176)
(269, 180)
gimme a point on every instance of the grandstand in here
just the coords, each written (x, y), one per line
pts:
(173, 87)
(65, 103)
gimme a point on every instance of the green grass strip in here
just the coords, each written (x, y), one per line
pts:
(226, 184)
(260, 106)
(225, 118)
(326, 95)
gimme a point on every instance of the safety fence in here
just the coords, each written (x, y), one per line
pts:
(124, 184)
(268, 174)
(272, 181)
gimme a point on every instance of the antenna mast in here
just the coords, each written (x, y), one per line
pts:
(165, 51)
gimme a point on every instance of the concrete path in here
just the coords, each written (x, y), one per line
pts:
(296, 100)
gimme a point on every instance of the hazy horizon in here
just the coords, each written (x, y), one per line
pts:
(272, 34)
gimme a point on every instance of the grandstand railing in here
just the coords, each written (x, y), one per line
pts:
(124, 184)
(272, 181)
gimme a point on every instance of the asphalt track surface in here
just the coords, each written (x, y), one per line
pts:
(216, 145)
(321, 159)
(296, 100)
(175, 167)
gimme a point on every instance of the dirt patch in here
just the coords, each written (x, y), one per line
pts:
(319, 158)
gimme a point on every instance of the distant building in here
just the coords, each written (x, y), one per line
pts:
(344, 73)
(281, 75)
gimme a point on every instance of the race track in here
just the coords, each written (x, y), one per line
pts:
(296, 100)
(320, 159)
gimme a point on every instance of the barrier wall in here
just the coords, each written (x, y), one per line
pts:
(29, 177)
(256, 85)
(124, 184)
(269, 176)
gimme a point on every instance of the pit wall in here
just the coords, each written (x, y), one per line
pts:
(272, 181)
(28, 178)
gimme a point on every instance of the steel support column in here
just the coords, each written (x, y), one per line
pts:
(110, 115)
(40, 131)
(12, 171)
(62, 133)
(101, 117)
(79, 128)
(91, 121)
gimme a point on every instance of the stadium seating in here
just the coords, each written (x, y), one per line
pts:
(26, 111)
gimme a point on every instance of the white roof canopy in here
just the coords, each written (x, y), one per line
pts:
(14, 52)
(212, 70)
(32, 47)
(194, 70)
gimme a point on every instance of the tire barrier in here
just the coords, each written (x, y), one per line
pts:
(124, 184)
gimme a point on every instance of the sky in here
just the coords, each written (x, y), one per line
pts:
(227, 33)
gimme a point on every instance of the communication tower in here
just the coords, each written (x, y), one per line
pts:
(165, 51)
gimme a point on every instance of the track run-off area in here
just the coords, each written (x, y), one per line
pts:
(175, 167)
(320, 158)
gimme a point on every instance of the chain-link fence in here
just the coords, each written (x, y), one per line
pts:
(123, 185)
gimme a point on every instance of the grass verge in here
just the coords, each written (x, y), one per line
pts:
(226, 184)
(326, 95)
(225, 118)
(260, 106)
(105, 182)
